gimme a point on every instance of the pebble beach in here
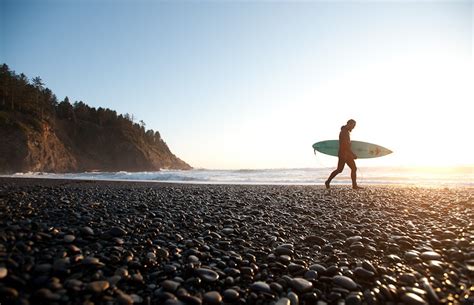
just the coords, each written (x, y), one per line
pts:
(98, 242)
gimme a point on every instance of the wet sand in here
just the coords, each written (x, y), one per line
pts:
(88, 242)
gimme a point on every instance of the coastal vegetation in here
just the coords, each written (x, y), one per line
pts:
(38, 132)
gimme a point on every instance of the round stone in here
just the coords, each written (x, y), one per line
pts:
(98, 286)
(345, 282)
(293, 297)
(193, 259)
(436, 267)
(260, 287)
(207, 275)
(276, 287)
(230, 295)
(318, 268)
(227, 231)
(353, 299)
(43, 268)
(411, 255)
(301, 285)
(430, 255)
(124, 299)
(47, 295)
(162, 253)
(3, 272)
(284, 250)
(173, 302)
(170, 285)
(314, 239)
(295, 268)
(8, 292)
(69, 238)
(311, 275)
(170, 268)
(87, 231)
(413, 299)
(362, 273)
(212, 298)
(117, 232)
(353, 239)
(90, 261)
(408, 278)
(367, 265)
(284, 259)
(283, 301)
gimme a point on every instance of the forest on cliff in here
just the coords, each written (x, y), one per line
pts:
(40, 133)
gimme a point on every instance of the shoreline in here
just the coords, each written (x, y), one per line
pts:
(102, 242)
(335, 184)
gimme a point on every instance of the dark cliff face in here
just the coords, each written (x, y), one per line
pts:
(39, 134)
(65, 146)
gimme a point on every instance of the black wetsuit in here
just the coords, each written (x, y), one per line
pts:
(346, 156)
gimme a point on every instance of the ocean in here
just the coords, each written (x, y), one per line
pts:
(462, 176)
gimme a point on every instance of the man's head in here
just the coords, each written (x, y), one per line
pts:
(351, 124)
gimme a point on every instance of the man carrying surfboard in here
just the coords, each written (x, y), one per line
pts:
(345, 155)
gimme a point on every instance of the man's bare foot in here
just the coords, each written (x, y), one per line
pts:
(326, 184)
(356, 187)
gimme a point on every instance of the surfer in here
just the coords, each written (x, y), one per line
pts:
(345, 154)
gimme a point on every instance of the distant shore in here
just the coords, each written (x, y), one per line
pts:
(106, 242)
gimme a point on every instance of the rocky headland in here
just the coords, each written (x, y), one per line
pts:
(38, 133)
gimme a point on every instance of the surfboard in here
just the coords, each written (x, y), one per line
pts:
(361, 149)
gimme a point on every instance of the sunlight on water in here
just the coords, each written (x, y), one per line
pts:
(421, 176)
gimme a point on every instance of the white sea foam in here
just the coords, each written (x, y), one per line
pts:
(370, 175)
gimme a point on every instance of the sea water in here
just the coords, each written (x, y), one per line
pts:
(313, 176)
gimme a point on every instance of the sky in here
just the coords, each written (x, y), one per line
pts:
(253, 84)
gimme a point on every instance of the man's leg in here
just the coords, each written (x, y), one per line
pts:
(353, 167)
(340, 167)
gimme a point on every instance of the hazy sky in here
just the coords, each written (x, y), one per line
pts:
(254, 84)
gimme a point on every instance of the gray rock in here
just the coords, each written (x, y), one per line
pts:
(362, 273)
(293, 297)
(207, 275)
(260, 287)
(345, 282)
(314, 239)
(311, 275)
(301, 285)
(283, 301)
(283, 250)
(230, 295)
(353, 299)
(87, 231)
(367, 265)
(69, 238)
(117, 232)
(170, 285)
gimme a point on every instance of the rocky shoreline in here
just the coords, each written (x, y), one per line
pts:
(87, 242)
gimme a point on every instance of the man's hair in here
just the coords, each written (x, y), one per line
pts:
(351, 121)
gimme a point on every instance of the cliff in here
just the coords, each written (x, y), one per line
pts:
(39, 134)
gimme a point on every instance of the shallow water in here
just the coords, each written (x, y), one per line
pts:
(369, 175)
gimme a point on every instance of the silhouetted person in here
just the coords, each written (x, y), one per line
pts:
(345, 154)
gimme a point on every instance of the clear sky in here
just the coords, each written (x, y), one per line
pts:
(253, 84)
